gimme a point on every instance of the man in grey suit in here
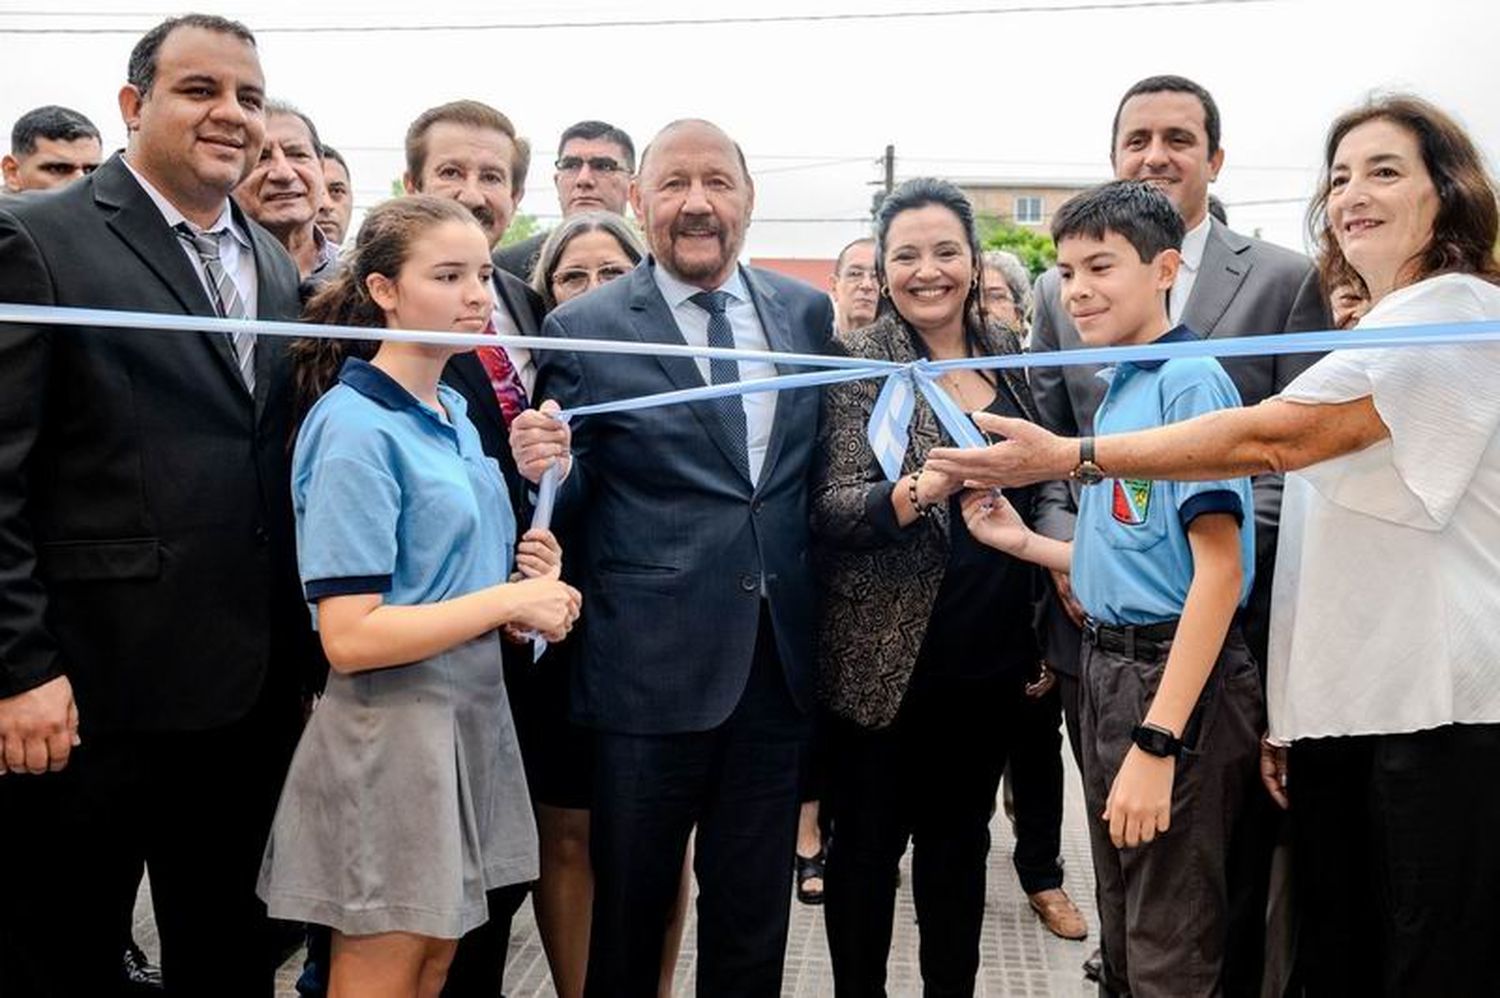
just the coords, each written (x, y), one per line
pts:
(1166, 132)
(696, 658)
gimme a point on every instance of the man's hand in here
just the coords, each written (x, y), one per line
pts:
(1064, 583)
(1140, 799)
(537, 439)
(1028, 454)
(38, 728)
(1273, 771)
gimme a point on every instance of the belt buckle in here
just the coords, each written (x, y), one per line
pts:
(1091, 630)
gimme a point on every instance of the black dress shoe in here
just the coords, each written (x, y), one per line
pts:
(137, 975)
(1093, 967)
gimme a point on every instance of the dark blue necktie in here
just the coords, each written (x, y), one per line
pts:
(730, 410)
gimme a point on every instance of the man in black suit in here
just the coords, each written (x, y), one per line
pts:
(146, 556)
(468, 151)
(696, 658)
(595, 161)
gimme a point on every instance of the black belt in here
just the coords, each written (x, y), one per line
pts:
(1143, 642)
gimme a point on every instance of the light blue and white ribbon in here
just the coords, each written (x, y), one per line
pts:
(888, 430)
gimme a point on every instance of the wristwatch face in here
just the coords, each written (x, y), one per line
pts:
(1088, 473)
(1154, 742)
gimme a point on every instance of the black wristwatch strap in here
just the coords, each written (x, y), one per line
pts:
(1157, 741)
(1088, 471)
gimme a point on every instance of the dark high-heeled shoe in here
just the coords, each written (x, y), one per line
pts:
(810, 868)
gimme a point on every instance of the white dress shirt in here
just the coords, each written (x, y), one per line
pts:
(236, 252)
(1388, 563)
(692, 322)
(520, 358)
(1193, 243)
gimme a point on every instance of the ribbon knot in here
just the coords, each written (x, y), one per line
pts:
(889, 430)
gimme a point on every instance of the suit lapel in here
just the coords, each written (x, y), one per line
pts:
(467, 368)
(1220, 274)
(139, 224)
(516, 298)
(269, 304)
(651, 321)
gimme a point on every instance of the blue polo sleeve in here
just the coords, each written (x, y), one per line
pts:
(1205, 388)
(348, 505)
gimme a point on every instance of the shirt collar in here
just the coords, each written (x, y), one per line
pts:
(175, 218)
(1194, 242)
(374, 384)
(676, 291)
(1177, 334)
(328, 250)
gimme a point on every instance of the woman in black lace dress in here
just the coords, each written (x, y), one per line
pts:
(926, 641)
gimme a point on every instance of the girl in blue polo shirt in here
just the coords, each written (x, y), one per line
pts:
(406, 800)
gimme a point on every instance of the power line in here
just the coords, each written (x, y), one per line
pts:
(1267, 201)
(665, 22)
(372, 196)
(831, 159)
(1094, 164)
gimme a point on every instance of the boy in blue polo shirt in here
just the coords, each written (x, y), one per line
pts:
(1170, 703)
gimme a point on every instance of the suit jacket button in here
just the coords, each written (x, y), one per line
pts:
(261, 535)
(748, 583)
(756, 506)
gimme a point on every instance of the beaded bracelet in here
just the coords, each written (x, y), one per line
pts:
(911, 492)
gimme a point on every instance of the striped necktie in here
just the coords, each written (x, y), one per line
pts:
(226, 297)
(730, 409)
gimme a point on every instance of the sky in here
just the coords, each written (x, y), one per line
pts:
(1026, 94)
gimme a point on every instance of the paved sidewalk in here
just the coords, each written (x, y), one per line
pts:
(1017, 956)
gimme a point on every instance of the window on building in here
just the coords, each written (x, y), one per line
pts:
(1028, 211)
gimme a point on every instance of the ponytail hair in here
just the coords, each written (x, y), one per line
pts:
(382, 247)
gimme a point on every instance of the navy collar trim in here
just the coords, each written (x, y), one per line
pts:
(373, 383)
(1177, 334)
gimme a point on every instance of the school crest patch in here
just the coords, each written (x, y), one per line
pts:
(1132, 501)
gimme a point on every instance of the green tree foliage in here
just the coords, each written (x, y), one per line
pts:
(521, 227)
(1034, 248)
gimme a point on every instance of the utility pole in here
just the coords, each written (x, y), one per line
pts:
(887, 183)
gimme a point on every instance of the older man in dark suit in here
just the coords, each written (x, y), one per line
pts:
(146, 559)
(696, 658)
(1166, 132)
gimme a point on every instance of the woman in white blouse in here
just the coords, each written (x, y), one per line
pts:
(1384, 672)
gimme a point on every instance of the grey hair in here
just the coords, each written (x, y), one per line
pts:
(570, 229)
(280, 108)
(1017, 277)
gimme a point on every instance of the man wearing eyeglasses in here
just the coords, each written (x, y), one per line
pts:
(854, 288)
(595, 161)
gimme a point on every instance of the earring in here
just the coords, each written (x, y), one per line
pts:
(885, 291)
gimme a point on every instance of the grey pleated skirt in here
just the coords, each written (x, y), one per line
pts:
(405, 801)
